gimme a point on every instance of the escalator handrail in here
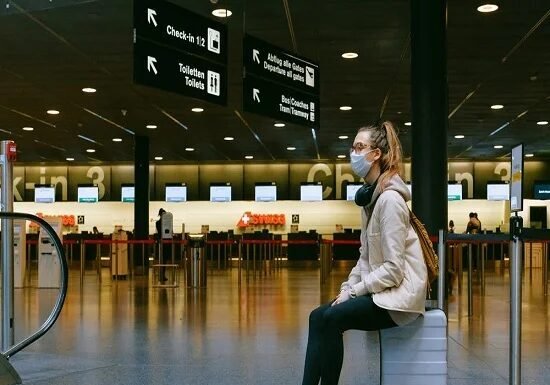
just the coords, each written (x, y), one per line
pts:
(50, 321)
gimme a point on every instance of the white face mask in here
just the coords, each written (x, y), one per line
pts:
(359, 164)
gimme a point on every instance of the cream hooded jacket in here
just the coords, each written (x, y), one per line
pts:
(391, 266)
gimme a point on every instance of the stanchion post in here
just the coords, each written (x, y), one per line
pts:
(516, 226)
(470, 288)
(441, 292)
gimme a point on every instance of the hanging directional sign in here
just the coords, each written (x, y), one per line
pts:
(179, 72)
(288, 104)
(180, 51)
(279, 83)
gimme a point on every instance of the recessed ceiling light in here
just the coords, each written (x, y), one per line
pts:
(341, 156)
(529, 155)
(343, 137)
(542, 123)
(345, 108)
(117, 140)
(229, 138)
(158, 158)
(89, 90)
(222, 12)
(497, 107)
(151, 126)
(486, 8)
(459, 136)
(197, 109)
(69, 159)
(408, 124)
(90, 150)
(52, 112)
(291, 148)
(28, 129)
(279, 124)
(350, 55)
(249, 157)
(497, 146)
(189, 149)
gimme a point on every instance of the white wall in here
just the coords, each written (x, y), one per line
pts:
(322, 216)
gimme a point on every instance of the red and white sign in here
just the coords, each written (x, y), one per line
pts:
(249, 220)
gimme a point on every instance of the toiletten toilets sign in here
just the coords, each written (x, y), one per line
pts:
(280, 84)
(179, 51)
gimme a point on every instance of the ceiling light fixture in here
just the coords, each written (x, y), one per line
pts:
(52, 112)
(459, 136)
(158, 158)
(197, 109)
(90, 150)
(341, 156)
(408, 124)
(345, 108)
(497, 107)
(28, 129)
(291, 148)
(89, 90)
(542, 122)
(486, 8)
(117, 140)
(249, 157)
(222, 12)
(189, 149)
(229, 138)
(529, 155)
(151, 126)
(350, 55)
(69, 159)
(343, 137)
(497, 146)
(279, 124)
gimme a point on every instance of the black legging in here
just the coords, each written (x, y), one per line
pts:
(325, 345)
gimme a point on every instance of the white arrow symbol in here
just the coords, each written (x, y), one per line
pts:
(256, 94)
(255, 56)
(151, 64)
(151, 16)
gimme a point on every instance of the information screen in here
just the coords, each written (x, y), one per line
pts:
(265, 192)
(88, 194)
(454, 192)
(311, 192)
(220, 193)
(351, 189)
(44, 194)
(498, 192)
(541, 190)
(176, 193)
(127, 193)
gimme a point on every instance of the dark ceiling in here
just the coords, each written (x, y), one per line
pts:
(51, 49)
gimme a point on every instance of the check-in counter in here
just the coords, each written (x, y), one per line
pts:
(344, 252)
(308, 251)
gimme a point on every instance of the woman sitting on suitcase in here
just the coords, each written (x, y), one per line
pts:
(387, 286)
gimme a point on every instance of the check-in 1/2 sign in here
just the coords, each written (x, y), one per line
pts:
(280, 84)
(180, 51)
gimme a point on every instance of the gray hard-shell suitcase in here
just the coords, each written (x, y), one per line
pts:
(415, 354)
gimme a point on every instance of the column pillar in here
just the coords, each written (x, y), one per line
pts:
(141, 204)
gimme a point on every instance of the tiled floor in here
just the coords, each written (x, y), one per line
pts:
(126, 332)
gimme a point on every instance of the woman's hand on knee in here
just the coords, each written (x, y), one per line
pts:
(344, 296)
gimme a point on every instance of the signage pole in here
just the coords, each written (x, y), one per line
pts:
(6, 205)
(516, 225)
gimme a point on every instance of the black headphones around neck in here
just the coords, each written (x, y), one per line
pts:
(363, 195)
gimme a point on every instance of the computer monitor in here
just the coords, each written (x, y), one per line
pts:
(311, 192)
(351, 189)
(127, 192)
(175, 192)
(498, 191)
(88, 193)
(220, 192)
(44, 193)
(265, 192)
(541, 190)
(454, 191)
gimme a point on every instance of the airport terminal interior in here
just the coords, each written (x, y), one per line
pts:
(239, 115)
